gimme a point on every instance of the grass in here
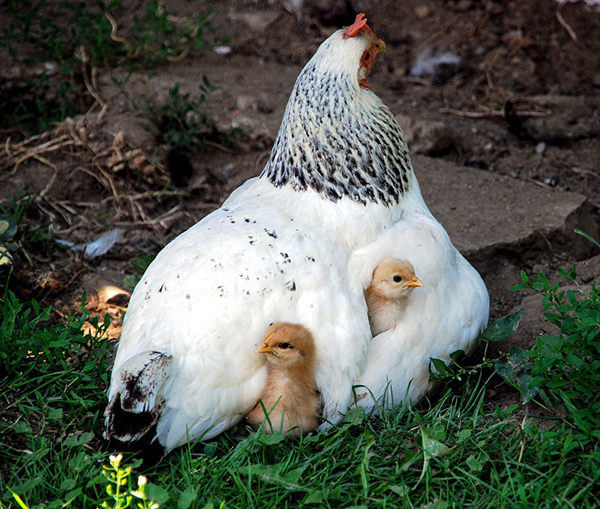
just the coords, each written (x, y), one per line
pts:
(456, 450)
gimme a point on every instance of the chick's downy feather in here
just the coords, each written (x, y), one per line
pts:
(289, 396)
(387, 295)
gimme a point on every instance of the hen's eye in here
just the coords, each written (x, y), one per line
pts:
(397, 278)
(285, 346)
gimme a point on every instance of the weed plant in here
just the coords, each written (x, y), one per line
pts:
(563, 369)
(139, 264)
(72, 35)
(183, 123)
(21, 237)
(457, 450)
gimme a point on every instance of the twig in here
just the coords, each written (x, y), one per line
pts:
(76, 275)
(522, 442)
(471, 114)
(138, 196)
(9, 130)
(219, 146)
(138, 210)
(22, 152)
(566, 26)
(113, 33)
(85, 67)
(585, 172)
(167, 216)
(417, 81)
(50, 182)
(179, 57)
(538, 183)
(110, 181)
(492, 113)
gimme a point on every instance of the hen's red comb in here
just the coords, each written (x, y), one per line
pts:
(355, 28)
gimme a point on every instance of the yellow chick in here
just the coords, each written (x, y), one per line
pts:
(391, 283)
(290, 396)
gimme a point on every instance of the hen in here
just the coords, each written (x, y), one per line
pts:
(289, 397)
(296, 244)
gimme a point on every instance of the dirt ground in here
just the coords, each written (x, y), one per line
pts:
(518, 95)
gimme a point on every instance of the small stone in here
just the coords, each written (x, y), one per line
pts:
(264, 103)
(426, 137)
(493, 8)
(246, 103)
(422, 11)
(540, 148)
(463, 5)
(222, 50)
(256, 21)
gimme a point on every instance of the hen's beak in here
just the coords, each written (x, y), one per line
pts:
(414, 282)
(367, 60)
(379, 46)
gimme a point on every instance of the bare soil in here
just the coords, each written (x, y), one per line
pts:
(522, 101)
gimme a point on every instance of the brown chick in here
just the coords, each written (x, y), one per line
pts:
(289, 396)
(391, 284)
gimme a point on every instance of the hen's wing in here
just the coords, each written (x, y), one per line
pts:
(443, 316)
(205, 303)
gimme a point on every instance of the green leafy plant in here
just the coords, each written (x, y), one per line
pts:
(8, 229)
(459, 449)
(140, 263)
(156, 37)
(498, 330)
(20, 237)
(454, 451)
(52, 383)
(120, 489)
(563, 368)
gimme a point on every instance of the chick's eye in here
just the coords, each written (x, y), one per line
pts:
(285, 346)
(397, 278)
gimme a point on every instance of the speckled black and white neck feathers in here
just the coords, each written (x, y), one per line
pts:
(336, 137)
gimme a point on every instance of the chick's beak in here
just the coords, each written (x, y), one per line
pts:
(414, 282)
(265, 348)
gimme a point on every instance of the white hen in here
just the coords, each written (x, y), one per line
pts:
(297, 244)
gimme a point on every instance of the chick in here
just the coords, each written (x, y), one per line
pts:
(290, 396)
(391, 284)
